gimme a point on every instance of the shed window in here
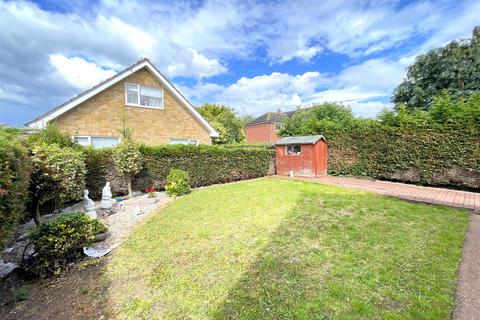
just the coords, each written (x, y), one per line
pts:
(138, 95)
(293, 149)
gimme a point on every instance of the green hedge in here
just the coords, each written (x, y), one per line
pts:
(438, 155)
(14, 179)
(205, 165)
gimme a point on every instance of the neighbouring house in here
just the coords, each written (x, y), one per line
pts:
(304, 156)
(264, 128)
(138, 97)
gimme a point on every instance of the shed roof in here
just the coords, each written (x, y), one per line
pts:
(300, 140)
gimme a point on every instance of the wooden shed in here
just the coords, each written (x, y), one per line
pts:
(304, 156)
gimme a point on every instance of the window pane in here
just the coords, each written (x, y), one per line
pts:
(178, 141)
(294, 149)
(132, 97)
(151, 97)
(83, 141)
(104, 142)
(151, 101)
(131, 87)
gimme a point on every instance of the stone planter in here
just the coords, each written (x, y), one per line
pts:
(100, 237)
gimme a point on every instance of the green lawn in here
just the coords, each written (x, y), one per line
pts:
(278, 249)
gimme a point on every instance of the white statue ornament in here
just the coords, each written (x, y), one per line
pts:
(89, 205)
(106, 202)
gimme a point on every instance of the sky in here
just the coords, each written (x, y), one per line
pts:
(254, 56)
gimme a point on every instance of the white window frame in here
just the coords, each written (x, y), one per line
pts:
(138, 96)
(197, 142)
(89, 138)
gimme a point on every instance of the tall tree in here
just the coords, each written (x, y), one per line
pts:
(454, 68)
(318, 119)
(225, 121)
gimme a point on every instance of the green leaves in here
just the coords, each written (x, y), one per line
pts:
(178, 183)
(128, 158)
(454, 68)
(228, 125)
(60, 241)
(57, 173)
(14, 178)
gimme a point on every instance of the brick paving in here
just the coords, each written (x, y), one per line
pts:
(447, 197)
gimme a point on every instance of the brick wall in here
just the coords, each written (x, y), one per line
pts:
(261, 133)
(102, 116)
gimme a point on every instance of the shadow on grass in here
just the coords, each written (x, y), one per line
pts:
(282, 282)
(355, 256)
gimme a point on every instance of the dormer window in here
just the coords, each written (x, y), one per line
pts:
(139, 95)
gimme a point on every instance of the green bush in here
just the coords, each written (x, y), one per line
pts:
(14, 179)
(128, 161)
(52, 135)
(432, 155)
(178, 183)
(98, 227)
(205, 165)
(60, 241)
(58, 173)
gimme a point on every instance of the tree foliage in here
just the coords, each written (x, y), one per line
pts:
(14, 179)
(455, 68)
(58, 173)
(128, 161)
(319, 119)
(225, 121)
(51, 134)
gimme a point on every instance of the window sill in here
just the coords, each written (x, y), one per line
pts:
(140, 106)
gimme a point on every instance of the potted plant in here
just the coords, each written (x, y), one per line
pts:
(151, 194)
(99, 230)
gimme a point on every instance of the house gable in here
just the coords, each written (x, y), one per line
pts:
(110, 90)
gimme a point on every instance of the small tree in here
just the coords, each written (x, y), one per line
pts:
(57, 173)
(128, 161)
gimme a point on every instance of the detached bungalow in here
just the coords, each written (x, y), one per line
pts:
(139, 96)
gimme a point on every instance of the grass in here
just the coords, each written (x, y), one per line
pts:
(277, 249)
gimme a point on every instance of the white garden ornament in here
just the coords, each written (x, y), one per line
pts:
(89, 205)
(106, 202)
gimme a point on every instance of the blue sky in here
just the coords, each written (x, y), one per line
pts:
(254, 56)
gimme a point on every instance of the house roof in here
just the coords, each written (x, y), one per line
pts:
(300, 140)
(269, 117)
(41, 121)
(274, 117)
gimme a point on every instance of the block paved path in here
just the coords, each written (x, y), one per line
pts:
(447, 197)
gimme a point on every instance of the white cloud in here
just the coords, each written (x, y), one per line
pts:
(193, 64)
(79, 72)
(364, 87)
(203, 39)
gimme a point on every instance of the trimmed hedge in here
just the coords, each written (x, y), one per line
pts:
(14, 179)
(437, 156)
(205, 165)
